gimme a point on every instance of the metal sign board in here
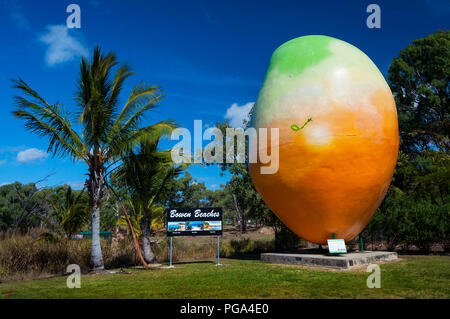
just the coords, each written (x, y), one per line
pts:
(194, 221)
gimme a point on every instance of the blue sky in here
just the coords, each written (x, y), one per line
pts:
(208, 56)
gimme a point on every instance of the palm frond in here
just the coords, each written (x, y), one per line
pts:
(142, 99)
(96, 98)
(49, 121)
(170, 173)
(119, 78)
(127, 141)
(145, 172)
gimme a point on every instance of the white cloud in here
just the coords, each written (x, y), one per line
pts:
(30, 155)
(237, 114)
(62, 47)
(4, 183)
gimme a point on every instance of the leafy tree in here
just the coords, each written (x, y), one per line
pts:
(417, 205)
(21, 206)
(111, 214)
(221, 198)
(240, 186)
(185, 192)
(107, 130)
(242, 192)
(419, 80)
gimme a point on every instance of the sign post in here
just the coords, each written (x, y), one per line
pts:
(170, 266)
(218, 251)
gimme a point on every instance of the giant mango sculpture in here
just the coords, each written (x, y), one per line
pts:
(338, 137)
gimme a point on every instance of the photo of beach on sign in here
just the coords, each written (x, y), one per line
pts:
(213, 225)
(194, 226)
(176, 226)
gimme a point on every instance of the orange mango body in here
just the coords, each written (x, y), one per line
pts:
(333, 173)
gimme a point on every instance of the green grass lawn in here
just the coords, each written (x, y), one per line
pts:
(411, 277)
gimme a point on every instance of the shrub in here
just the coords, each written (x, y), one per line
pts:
(411, 221)
(21, 255)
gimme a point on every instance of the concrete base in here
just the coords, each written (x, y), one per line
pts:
(167, 267)
(325, 260)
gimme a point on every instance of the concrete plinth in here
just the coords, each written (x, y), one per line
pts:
(320, 259)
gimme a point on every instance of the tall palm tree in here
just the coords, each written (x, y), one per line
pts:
(145, 174)
(106, 132)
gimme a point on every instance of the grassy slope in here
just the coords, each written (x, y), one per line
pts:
(412, 277)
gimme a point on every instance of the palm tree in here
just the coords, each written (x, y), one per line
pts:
(70, 213)
(145, 175)
(106, 132)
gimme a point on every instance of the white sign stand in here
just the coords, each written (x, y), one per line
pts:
(170, 265)
(218, 251)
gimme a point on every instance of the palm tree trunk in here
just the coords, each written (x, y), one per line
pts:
(96, 253)
(146, 225)
(133, 236)
(95, 187)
